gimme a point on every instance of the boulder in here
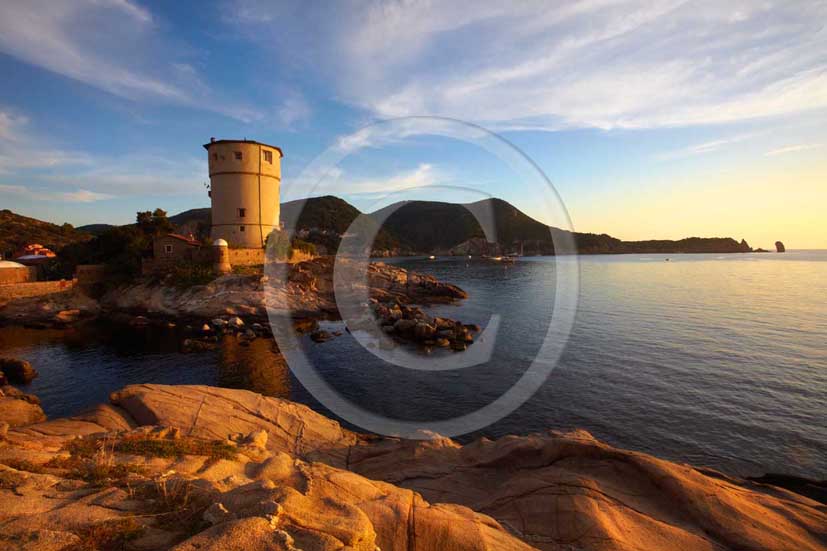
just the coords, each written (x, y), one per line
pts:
(19, 413)
(779, 247)
(320, 336)
(422, 331)
(17, 371)
(404, 326)
(67, 316)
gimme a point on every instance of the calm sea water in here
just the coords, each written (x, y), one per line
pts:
(716, 360)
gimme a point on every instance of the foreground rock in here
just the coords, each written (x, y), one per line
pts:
(297, 480)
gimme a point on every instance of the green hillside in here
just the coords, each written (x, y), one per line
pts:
(17, 231)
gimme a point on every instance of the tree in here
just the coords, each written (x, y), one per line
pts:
(153, 223)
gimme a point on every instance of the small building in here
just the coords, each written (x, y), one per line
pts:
(171, 249)
(34, 254)
(175, 247)
(14, 272)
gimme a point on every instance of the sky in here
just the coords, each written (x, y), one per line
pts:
(652, 120)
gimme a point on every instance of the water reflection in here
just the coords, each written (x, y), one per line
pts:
(81, 366)
(256, 366)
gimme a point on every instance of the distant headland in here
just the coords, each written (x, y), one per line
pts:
(416, 228)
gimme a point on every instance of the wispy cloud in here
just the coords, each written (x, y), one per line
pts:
(594, 63)
(294, 109)
(705, 147)
(793, 149)
(48, 172)
(40, 194)
(339, 182)
(112, 45)
(20, 150)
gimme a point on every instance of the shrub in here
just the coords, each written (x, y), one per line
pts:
(186, 275)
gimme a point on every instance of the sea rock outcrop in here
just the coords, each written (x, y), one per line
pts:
(47, 310)
(309, 292)
(548, 491)
(311, 484)
(17, 371)
(779, 247)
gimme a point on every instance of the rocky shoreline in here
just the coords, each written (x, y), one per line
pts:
(308, 296)
(197, 467)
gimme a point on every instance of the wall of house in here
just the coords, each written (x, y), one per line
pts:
(181, 250)
(18, 275)
(34, 289)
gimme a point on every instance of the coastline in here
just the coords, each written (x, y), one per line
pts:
(283, 471)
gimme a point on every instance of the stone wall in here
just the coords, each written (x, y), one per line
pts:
(18, 275)
(246, 257)
(34, 289)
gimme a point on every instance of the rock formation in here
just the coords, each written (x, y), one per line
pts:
(779, 247)
(17, 371)
(196, 467)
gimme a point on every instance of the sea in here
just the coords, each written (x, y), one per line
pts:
(713, 360)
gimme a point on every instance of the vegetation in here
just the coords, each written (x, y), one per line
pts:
(175, 447)
(189, 274)
(17, 231)
(109, 535)
(151, 446)
(303, 246)
(121, 248)
(325, 219)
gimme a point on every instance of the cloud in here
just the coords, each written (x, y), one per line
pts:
(77, 196)
(293, 109)
(705, 147)
(793, 149)
(19, 150)
(24, 155)
(112, 45)
(594, 63)
(338, 182)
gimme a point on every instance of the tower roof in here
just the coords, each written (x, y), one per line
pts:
(213, 142)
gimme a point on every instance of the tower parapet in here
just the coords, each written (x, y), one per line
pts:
(245, 182)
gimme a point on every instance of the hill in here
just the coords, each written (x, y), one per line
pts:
(323, 220)
(17, 231)
(193, 221)
(427, 227)
(95, 229)
(328, 212)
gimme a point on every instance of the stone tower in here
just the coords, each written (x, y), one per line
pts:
(245, 177)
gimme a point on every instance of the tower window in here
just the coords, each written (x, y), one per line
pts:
(168, 249)
(237, 155)
(215, 156)
(241, 228)
(268, 156)
(242, 212)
